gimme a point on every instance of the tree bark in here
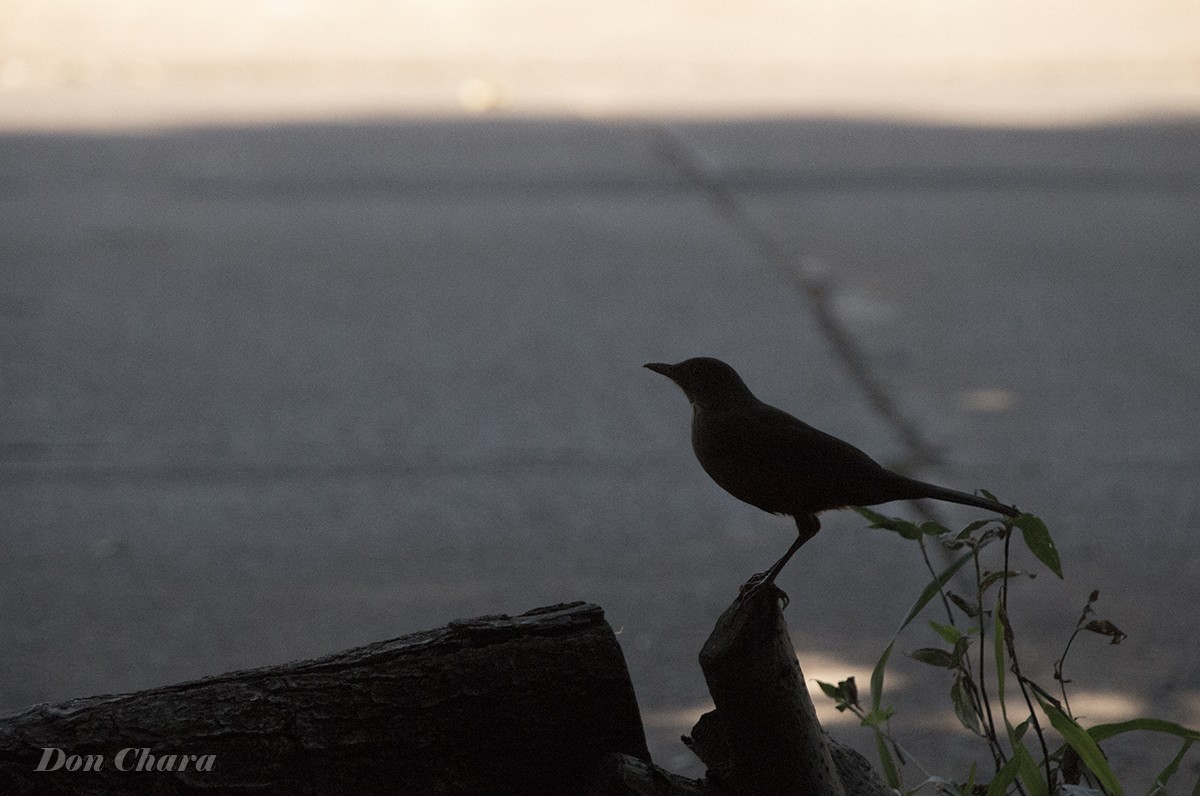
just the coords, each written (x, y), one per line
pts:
(531, 704)
(624, 775)
(772, 743)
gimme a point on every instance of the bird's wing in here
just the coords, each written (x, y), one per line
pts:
(779, 463)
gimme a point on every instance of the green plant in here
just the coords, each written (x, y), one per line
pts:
(979, 650)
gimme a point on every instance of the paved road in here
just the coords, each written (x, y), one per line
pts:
(273, 392)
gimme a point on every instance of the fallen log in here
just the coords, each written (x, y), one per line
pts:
(531, 704)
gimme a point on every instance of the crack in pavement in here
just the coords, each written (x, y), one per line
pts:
(802, 272)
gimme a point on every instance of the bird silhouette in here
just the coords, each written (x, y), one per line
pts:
(770, 459)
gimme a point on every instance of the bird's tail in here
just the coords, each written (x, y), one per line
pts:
(924, 490)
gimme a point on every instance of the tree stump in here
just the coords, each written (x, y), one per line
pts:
(767, 740)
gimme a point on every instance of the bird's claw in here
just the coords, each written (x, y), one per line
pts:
(757, 583)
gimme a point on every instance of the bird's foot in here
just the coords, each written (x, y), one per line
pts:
(757, 584)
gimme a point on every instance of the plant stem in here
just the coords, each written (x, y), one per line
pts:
(1016, 669)
(982, 696)
(933, 572)
(1058, 666)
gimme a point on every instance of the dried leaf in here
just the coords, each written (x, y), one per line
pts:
(1106, 628)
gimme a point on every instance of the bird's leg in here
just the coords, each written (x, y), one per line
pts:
(807, 526)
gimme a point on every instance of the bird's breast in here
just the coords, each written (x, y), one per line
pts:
(733, 450)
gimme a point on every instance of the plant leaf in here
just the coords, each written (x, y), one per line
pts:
(1001, 664)
(931, 591)
(1164, 776)
(990, 578)
(1102, 732)
(949, 633)
(964, 605)
(972, 528)
(1083, 743)
(931, 528)
(876, 718)
(1006, 776)
(909, 530)
(1031, 773)
(850, 689)
(1037, 539)
(890, 774)
(877, 677)
(964, 706)
(1106, 628)
(830, 690)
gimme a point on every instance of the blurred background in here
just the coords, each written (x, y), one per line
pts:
(323, 322)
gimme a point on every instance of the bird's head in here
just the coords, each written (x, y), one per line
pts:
(705, 381)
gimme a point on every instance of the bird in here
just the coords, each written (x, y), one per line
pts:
(766, 457)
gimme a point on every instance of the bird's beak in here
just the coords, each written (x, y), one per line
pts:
(660, 367)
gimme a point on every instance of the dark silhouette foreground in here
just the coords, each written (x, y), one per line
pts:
(533, 705)
(769, 459)
(527, 705)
